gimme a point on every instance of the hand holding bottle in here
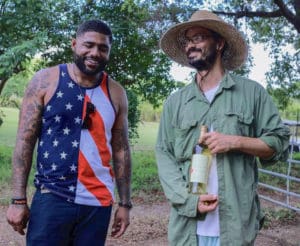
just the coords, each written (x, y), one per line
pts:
(200, 166)
(207, 203)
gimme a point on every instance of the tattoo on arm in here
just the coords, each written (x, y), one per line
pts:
(122, 163)
(28, 130)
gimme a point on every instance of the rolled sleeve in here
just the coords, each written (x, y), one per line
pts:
(279, 143)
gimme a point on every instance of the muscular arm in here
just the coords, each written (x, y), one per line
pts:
(121, 159)
(121, 151)
(28, 129)
(30, 120)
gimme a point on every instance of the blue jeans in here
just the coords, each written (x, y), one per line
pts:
(208, 241)
(54, 221)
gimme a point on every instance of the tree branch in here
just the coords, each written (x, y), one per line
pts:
(246, 13)
(2, 83)
(2, 8)
(283, 11)
(294, 19)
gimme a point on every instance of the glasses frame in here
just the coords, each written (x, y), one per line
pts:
(196, 39)
(87, 121)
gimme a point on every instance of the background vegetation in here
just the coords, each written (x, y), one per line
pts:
(37, 33)
(145, 180)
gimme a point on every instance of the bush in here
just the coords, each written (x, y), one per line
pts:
(144, 173)
(5, 164)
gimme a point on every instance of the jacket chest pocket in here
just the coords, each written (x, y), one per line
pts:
(237, 123)
(185, 139)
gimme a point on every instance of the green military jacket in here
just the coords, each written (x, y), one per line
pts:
(240, 107)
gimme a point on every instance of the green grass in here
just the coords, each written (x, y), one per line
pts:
(145, 175)
(147, 136)
(8, 130)
(144, 179)
(5, 163)
(144, 170)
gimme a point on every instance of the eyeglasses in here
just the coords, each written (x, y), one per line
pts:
(87, 122)
(198, 38)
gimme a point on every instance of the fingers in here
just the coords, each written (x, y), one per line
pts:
(17, 217)
(207, 203)
(19, 229)
(208, 197)
(118, 229)
(121, 222)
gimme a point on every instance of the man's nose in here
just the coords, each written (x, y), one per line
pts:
(95, 52)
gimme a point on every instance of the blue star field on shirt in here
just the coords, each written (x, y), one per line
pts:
(72, 162)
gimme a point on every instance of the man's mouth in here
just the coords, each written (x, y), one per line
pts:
(91, 62)
(192, 53)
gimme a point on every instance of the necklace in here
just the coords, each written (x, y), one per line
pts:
(91, 84)
(77, 83)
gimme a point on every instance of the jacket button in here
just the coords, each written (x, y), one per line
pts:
(184, 178)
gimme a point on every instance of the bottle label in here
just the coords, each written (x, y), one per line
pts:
(199, 168)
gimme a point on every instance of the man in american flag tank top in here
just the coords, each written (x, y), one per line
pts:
(77, 116)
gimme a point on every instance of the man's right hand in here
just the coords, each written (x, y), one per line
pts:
(17, 216)
(207, 203)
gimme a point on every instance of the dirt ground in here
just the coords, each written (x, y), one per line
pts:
(149, 228)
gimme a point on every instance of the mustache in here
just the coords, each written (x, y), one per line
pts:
(192, 49)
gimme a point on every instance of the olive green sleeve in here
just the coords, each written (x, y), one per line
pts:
(171, 178)
(270, 129)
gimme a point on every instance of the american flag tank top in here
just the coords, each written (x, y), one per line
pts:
(73, 162)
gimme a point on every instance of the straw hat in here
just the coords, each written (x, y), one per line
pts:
(236, 50)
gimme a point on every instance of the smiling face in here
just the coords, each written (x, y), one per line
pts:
(91, 52)
(201, 48)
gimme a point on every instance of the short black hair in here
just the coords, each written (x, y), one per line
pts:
(94, 26)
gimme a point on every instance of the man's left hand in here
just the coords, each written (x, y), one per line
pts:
(121, 222)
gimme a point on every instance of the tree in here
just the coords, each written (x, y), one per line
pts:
(276, 24)
(31, 27)
(45, 27)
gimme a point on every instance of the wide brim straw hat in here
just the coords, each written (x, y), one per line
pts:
(236, 50)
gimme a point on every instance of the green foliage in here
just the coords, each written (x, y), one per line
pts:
(5, 164)
(144, 173)
(8, 129)
(46, 27)
(292, 111)
(133, 114)
(148, 113)
(34, 27)
(274, 218)
(278, 35)
(296, 156)
(281, 167)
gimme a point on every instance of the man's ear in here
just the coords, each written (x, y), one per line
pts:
(73, 43)
(220, 45)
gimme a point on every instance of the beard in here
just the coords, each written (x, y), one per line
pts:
(206, 61)
(79, 61)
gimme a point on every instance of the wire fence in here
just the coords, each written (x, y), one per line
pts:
(289, 195)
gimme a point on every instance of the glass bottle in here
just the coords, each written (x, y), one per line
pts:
(201, 160)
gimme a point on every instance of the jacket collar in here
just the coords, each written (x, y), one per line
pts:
(227, 83)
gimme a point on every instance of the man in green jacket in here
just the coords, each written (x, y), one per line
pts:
(245, 127)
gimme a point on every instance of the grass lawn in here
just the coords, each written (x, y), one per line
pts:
(8, 129)
(147, 136)
(145, 177)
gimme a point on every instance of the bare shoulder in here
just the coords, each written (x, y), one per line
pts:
(118, 96)
(115, 87)
(44, 83)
